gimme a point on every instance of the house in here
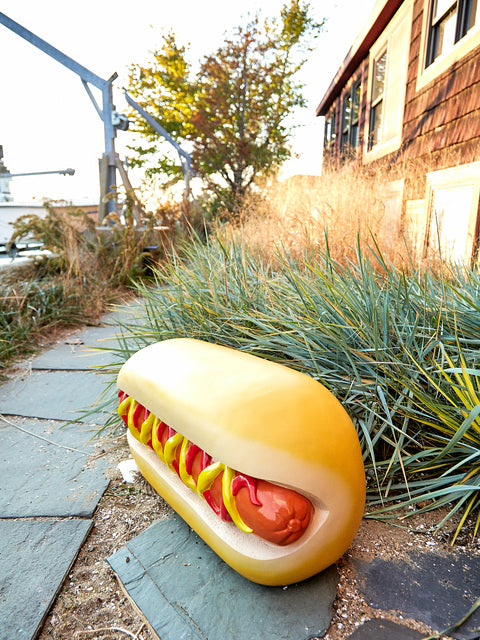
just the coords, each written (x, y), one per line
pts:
(408, 95)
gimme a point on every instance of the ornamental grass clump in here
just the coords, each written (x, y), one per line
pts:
(31, 303)
(399, 348)
(83, 269)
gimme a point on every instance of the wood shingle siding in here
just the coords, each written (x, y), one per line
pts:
(434, 124)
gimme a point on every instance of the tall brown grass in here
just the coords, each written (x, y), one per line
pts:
(355, 204)
(382, 202)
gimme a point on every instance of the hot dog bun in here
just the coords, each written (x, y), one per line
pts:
(261, 419)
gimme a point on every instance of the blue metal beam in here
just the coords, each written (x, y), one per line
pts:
(54, 53)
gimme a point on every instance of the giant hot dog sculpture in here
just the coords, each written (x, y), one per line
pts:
(261, 460)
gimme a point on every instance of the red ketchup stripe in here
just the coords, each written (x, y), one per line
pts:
(221, 511)
(206, 460)
(208, 497)
(241, 481)
(121, 397)
(137, 422)
(224, 515)
(190, 456)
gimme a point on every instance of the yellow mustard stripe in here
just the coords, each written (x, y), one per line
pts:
(168, 453)
(156, 444)
(182, 466)
(208, 476)
(146, 429)
(229, 500)
(123, 406)
(131, 424)
(128, 407)
(170, 449)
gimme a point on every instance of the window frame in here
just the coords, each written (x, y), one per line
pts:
(330, 132)
(462, 10)
(396, 38)
(379, 100)
(354, 138)
(428, 73)
(350, 117)
(346, 119)
(458, 177)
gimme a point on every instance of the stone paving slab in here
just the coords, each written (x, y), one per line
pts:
(35, 557)
(53, 395)
(385, 630)
(90, 347)
(428, 587)
(80, 351)
(186, 591)
(45, 479)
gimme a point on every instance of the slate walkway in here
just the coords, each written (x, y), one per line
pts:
(186, 591)
(427, 587)
(48, 496)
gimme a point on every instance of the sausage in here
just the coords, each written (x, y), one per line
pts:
(272, 512)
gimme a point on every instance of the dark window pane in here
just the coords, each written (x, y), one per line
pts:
(356, 103)
(346, 118)
(354, 127)
(329, 130)
(347, 111)
(354, 136)
(471, 20)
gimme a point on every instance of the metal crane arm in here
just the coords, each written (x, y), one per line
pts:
(106, 111)
(64, 172)
(80, 70)
(157, 126)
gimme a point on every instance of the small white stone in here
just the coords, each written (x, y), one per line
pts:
(129, 470)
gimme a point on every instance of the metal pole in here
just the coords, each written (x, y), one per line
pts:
(69, 172)
(107, 116)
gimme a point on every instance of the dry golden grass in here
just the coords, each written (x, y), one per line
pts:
(350, 205)
(382, 203)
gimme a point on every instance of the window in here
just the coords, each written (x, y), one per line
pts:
(387, 81)
(377, 99)
(355, 117)
(351, 117)
(449, 22)
(346, 119)
(452, 205)
(330, 134)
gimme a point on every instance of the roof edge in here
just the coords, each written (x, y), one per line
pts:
(380, 16)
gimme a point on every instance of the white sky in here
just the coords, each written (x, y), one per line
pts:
(47, 121)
